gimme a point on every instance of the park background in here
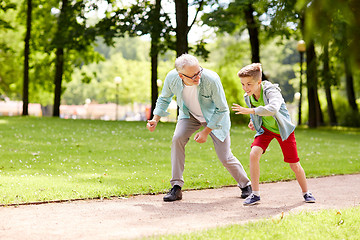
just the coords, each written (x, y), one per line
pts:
(73, 58)
(107, 60)
(64, 58)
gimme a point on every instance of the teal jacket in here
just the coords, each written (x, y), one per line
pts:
(274, 106)
(212, 101)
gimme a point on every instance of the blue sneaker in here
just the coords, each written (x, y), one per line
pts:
(252, 200)
(309, 198)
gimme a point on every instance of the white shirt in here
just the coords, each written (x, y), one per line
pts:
(191, 99)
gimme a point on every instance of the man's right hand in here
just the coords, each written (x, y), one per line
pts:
(151, 125)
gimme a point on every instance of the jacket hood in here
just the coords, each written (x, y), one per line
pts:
(268, 85)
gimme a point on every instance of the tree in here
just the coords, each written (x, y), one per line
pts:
(327, 79)
(72, 35)
(9, 50)
(231, 19)
(154, 52)
(26, 59)
(349, 79)
(142, 18)
(283, 13)
(5, 5)
(342, 16)
(182, 28)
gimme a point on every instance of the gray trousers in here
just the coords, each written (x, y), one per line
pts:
(183, 131)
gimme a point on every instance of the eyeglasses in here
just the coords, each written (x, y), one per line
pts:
(196, 75)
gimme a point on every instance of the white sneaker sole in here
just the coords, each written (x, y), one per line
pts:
(251, 204)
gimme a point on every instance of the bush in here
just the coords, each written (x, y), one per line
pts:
(345, 115)
(350, 118)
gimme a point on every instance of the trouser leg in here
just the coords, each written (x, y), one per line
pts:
(230, 162)
(183, 131)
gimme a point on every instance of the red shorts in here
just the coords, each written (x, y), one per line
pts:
(288, 146)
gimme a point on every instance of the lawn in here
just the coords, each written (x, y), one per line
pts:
(325, 224)
(45, 159)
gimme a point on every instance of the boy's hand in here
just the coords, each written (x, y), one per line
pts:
(241, 110)
(251, 126)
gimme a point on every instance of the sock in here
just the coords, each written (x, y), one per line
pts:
(303, 193)
(257, 193)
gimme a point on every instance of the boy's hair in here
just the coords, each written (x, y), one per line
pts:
(253, 70)
(185, 60)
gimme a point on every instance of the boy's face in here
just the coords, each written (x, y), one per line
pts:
(251, 86)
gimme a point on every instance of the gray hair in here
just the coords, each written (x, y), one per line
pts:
(185, 60)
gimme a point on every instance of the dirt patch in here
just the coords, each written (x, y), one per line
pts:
(148, 215)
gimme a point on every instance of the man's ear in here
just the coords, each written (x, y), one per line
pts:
(180, 75)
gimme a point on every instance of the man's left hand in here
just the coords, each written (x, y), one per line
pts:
(201, 137)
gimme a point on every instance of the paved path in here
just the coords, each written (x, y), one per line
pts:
(148, 215)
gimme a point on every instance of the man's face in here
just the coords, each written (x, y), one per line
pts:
(191, 75)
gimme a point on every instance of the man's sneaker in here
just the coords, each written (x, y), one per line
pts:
(252, 200)
(174, 194)
(309, 198)
(246, 191)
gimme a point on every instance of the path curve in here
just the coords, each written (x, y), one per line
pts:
(148, 215)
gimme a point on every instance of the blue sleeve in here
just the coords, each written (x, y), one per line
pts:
(221, 106)
(164, 99)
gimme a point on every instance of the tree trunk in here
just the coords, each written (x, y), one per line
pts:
(59, 62)
(182, 28)
(315, 114)
(348, 73)
(26, 60)
(154, 52)
(253, 33)
(327, 83)
(253, 30)
(59, 66)
(350, 84)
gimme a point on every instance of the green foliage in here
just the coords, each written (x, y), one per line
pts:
(278, 60)
(6, 5)
(52, 159)
(10, 51)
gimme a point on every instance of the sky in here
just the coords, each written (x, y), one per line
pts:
(196, 33)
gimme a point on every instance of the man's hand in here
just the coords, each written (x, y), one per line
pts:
(241, 110)
(151, 124)
(251, 126)
(201, 137)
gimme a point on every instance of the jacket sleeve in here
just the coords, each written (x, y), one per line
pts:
(164, 99)
(221, 107)
(274, 100)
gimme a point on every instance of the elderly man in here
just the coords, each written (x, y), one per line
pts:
(201, 100)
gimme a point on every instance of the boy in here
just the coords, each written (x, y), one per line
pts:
(270, 118)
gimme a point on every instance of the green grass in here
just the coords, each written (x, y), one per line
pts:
(325, 224)
(45, 159)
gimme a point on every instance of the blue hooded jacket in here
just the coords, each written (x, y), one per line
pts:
(274, 106)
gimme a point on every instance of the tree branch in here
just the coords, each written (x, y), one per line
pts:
(197, 12)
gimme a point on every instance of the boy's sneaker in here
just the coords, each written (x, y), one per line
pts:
(309, 198)
(246, 191)
(252, 200)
